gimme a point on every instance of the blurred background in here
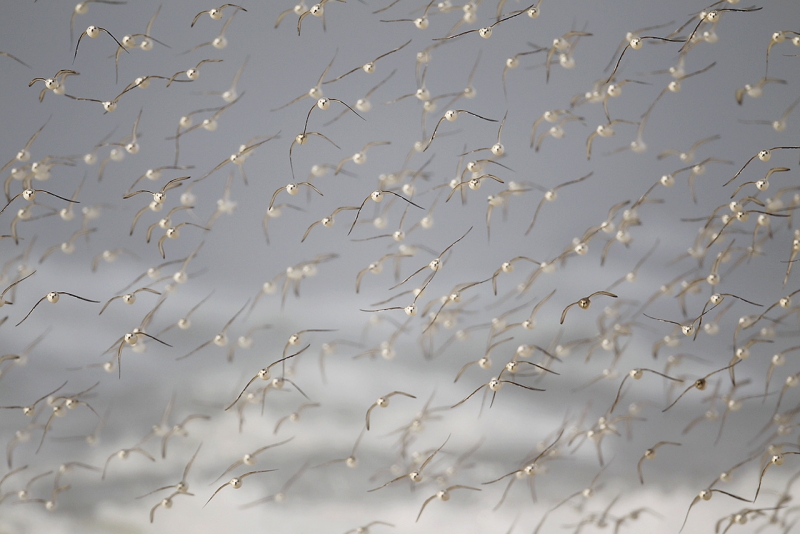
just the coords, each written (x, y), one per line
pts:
(237, 247)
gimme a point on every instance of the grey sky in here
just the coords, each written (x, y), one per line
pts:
(235, 260)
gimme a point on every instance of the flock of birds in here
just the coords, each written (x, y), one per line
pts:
(195, 239)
